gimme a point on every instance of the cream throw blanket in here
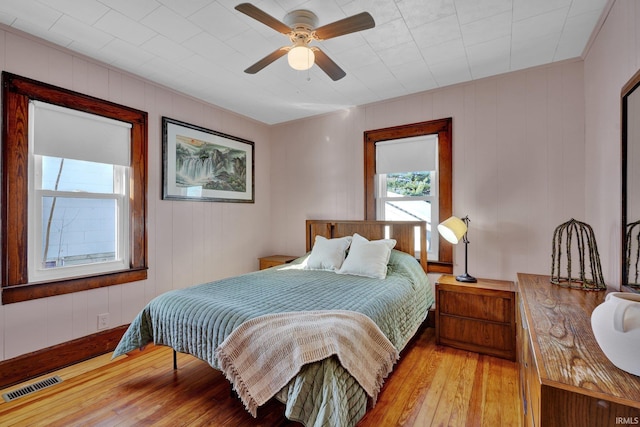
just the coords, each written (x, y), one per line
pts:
(263, 354)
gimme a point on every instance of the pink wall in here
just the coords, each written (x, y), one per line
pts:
(518, 162)
(611, 61)
(189, 242)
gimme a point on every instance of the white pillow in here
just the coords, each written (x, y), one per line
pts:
(327, 254)
(368, 258)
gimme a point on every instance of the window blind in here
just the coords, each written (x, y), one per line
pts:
(72, 134)
(407, 155)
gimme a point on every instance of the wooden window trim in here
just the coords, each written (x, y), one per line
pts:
(17, 92)
(444, 129)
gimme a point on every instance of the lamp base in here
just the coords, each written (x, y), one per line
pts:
(466, 278)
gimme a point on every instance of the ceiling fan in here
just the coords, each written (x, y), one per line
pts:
(300, 27)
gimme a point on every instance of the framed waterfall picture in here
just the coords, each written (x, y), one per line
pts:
(204, 165)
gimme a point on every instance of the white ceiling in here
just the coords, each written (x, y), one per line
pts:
(201, 47)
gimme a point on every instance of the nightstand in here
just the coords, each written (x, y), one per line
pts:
(478, 316)
(274, 260)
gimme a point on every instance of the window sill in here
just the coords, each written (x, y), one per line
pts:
(30, 291)
(439, 267)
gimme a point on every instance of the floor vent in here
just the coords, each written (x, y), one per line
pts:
(31, 388)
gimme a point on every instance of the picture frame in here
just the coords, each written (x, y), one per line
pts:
(201, 164)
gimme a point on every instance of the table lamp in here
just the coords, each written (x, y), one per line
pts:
(454, 229)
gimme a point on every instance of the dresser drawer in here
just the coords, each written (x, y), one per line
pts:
(268, 263)
(484, 307)
(476, 334)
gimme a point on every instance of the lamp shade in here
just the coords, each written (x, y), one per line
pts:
(300, 57)
(452, 229)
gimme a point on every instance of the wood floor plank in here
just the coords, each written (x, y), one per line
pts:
(431, 385)
(492, 413)
(509, 384)
(462, 394)
(449, 380)
(478, 393)
(427, 411)
(396, 402)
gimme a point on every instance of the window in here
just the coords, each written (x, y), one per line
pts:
(408, 177)
(74, 191)
(78, 197)
(406, 174)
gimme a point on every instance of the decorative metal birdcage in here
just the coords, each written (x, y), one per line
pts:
(589, 276)
(632, 255)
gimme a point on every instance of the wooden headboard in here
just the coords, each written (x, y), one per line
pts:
(406, 233)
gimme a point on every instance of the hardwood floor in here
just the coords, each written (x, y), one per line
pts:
(431, 386)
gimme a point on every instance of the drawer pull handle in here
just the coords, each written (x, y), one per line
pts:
(525, 326)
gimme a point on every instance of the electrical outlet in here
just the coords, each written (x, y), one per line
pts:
(103, 321)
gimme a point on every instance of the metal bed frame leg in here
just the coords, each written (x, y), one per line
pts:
(232, 392)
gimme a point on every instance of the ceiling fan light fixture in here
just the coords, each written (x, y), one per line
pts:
(301, 27)
(301, 57)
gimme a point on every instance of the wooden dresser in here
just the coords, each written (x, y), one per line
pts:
(566, 380)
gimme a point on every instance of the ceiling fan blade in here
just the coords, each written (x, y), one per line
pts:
(327, 65)
(267, 60)
(359, 22)
(259, 15)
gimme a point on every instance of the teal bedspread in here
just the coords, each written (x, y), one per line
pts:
(196, 320)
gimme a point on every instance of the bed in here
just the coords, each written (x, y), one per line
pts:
(202, 320)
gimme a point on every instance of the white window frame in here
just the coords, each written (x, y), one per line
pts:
(35, 223)
(382, 198)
